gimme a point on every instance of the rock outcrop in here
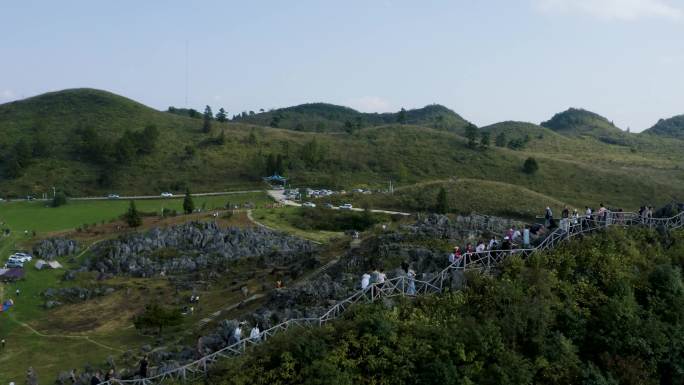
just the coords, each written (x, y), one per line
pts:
(191, 247)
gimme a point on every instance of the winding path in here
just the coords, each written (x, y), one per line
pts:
(408, 287)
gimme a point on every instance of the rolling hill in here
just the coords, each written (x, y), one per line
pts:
(322, 117)
(576, 122)
(91, 142)
(669, 128)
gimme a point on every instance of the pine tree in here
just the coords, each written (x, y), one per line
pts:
(500, 140)
(188, 204)
(471, 134)
(484, 140)
(132, 216)
(442, 206)
(208, 116)
(222, 115)
(401, 117)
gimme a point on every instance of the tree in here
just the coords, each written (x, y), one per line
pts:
(471, 134)
(59, 199)
(132, 216)
(401, 117)
(484, 140)
(188, 204)
(147, 139)
(500, 140)
(222, 115)
(208, 116)
(126, 147)
(530, 166)
(156, 317)
(442, 206)
(275, 121)
(23, 152)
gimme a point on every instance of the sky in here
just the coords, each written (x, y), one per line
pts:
(488, 60)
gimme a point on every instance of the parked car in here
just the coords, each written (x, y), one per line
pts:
(346, 206)
(166, 195)
(14, 264)
(309, 205)
(113, 196)
(21, 257)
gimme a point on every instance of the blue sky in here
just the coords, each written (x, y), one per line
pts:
(489, 60)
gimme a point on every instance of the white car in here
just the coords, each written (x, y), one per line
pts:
(166, 195)
(346, 206)
(21, 257)
(309, 204)
(113, 196)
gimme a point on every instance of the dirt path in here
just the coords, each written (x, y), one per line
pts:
(85, 338)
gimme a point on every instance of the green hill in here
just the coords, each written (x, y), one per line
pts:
(322, 117)
(89, 142)
(670, 128)
(576, 122)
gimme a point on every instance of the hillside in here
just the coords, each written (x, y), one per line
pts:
(89, 142)
(607, 309)
(322, 117)
(577, 122)
(669, 128)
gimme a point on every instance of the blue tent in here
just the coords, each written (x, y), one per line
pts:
(275, 178)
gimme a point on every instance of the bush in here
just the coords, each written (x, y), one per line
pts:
(530, 166)
(59, 199)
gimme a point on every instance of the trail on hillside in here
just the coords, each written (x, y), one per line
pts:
(43, 335)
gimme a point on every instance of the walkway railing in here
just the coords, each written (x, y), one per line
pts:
(410, 287)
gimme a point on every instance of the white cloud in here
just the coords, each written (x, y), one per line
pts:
(614, 9)
(369, 104)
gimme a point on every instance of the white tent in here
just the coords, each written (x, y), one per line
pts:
(55, 265)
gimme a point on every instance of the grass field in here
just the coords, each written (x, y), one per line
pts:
(20, 216)
(52, 340)
(281, 219)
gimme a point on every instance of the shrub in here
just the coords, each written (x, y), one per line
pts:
(530, 166)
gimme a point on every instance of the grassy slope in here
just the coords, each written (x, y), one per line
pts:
(573, 169)
(329, 117)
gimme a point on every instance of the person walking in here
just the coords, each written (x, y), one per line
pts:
(237, 334)
(73, 375)
(365, 281)
(382, 276)
(2, 344)
(255, 333)
(110, 375)
(548, 217)
(411, 275)
(480, 247)
(526, 236)
(142, 370)
(96, 378)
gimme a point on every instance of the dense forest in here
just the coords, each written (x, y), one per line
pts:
(608, 309)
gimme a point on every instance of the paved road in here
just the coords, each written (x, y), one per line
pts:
(175, 196)
(279, 196)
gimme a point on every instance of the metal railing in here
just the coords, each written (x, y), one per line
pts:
(410, 287)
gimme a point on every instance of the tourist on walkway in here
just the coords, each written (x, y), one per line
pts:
(548, 217)
(365, 281)
(96, 378)
(526, 236)
(255, 333)
(480, 247)
(237, 334)
(382, 277)
(516, 236)
(143, 367)
(411, 275)
(109, 375)
(493, 244)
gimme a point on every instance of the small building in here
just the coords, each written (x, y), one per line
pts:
(276, 179)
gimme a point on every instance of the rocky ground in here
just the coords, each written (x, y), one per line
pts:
(191, 247)
(423, 244)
